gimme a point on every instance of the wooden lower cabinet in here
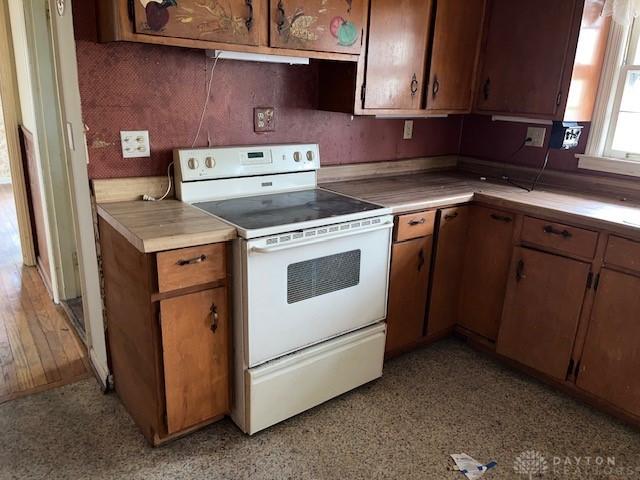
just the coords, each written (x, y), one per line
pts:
(447, 270)
(611, 357)
(195, 353)
(486, 265)
(168, 351)
(408, 288)
(541, 311)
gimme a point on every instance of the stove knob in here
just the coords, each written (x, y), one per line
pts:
(296, 156)
(192, 163)
(209, 162)
(310, 155)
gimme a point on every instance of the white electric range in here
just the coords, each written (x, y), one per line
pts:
(310, 276)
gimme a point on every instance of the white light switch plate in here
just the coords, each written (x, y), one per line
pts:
(408, 130)
(135, 144)
(536, 134)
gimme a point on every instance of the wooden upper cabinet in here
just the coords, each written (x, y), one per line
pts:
(408, 286)
(611, 356)
(448, 267)
(396, 53)
(541, 310)
(526, 49)
(454, 55)
(320, 25)
(232, 21)
(486, 266)
(195, 350)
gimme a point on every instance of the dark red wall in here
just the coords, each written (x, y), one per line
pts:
(127, 86)
(497, 141)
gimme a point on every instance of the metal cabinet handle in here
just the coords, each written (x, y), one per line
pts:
(414, 85)
(214, 318)
(420, 259)
(520, 271)
(501, 218)
(417, 222)
(486, 88)
(552, 231)
(282, 17)
(191, 261)
(435, 88)
(249, 21)
(451, 216)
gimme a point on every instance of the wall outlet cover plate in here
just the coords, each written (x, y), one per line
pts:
(264, 119)
(407, 134)
(536, 134)
(135, 143)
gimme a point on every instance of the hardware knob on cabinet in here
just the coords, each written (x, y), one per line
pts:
(520, 270)
(486, 88)
(249, 20)
(501, 218)
(417, 222)
(451, 216)
(414, 85)
(191, 261)
(552, 231)
(214, 318)
(420, 259)
(192, 163)
(281, 20)
(435, 88)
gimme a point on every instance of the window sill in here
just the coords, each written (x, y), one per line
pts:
(609, 165)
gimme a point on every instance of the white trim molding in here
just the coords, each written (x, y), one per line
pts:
(609, 165)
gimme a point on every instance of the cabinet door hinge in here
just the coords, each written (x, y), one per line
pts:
(363, 89)
(589, 280)
(596, 282)
(570, 368)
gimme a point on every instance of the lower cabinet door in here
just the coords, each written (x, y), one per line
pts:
(541, 311)
(409, 278)
(195, 349)
(611, 356)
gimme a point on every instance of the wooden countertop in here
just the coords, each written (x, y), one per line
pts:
(165, 225)
(410, 192)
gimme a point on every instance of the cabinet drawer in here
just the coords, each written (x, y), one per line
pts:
(623, 253)
(414, 225)
(560, 237)
(192, 266)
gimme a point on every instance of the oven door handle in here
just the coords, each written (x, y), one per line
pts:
(278, 248)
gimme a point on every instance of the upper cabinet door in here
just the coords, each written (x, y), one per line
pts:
(456, 41)
(319, 25)
(396, 53)
(525, 55)
(231, 21)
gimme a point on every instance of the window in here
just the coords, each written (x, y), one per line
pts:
(623, 137)
(614, 142)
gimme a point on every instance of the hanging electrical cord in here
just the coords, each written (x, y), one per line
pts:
(504, 175)
(541, 171)
(150, 198)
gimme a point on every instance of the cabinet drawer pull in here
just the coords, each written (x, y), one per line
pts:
(417, 222)
(249, 21)
(414, 85)
(281, 17)
(451, 216)
(435, 88)
(553, 231)
(520, 271)
(501, 218)
(486, 88)
(191, 261)
(214, 318)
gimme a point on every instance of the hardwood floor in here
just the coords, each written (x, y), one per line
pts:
(38, 347)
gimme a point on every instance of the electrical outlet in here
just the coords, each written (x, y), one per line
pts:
(408, 130)
(536, 134)
(264, 119)
(135, 144)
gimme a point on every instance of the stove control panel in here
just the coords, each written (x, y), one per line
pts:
(231, 162)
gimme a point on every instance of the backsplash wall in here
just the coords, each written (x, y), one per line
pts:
(128, 86)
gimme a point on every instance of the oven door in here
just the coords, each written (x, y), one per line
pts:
(303, 293)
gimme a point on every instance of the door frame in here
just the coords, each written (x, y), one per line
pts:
(12, 118)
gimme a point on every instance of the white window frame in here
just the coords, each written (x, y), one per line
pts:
(599, 154)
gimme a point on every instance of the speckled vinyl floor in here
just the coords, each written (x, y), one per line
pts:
(440, 400)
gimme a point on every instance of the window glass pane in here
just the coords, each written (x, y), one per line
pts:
(627, 135)
(635, 40)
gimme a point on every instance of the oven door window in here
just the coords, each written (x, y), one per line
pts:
(319, 276)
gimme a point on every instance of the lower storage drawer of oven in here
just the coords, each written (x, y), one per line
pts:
(288, 386)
